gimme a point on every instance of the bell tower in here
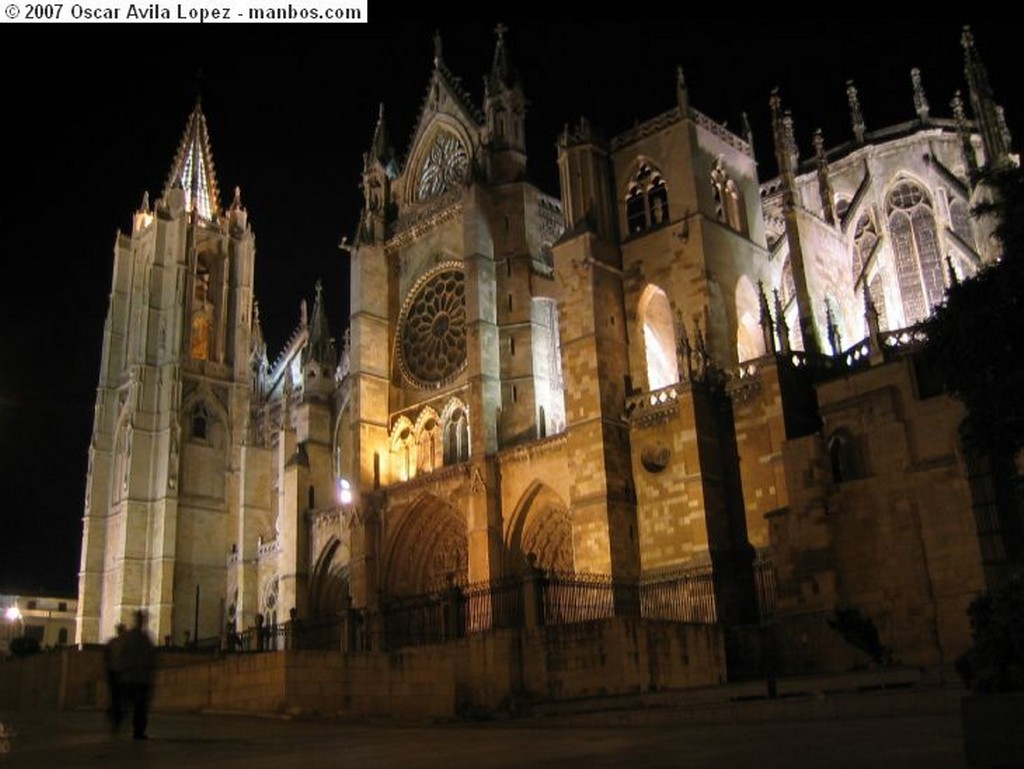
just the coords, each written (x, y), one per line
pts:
(164, 493)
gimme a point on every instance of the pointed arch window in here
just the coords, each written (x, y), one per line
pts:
(915, 249)
(646, 200)
(728, 199)
(659, 339)
(960, 221)
(456, 437)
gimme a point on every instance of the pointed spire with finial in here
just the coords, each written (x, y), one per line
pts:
(786, 152)
(856, 116)
(192, 168)
(767, 326)
(781, 325)
(748, 132)
(144, 208)
(438, 49)
(993, 137)
(874, 327)
(503, 75)
(828, 198)
(380, 146)
(963, 130)
(920, 100)
(682, 95)
(320, 347)
(258, 352)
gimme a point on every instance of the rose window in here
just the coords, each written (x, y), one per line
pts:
(433, 341)
(445, 166)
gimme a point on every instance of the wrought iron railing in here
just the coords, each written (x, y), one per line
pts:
(539, 598)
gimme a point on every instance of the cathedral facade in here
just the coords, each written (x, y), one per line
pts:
(672, 370)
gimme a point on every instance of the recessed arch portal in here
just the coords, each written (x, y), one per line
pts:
(428, 548)
(541, 526)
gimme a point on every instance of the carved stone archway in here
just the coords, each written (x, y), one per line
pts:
(429, 547)
(540, 526)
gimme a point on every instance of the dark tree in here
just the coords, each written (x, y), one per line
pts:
(976, 338)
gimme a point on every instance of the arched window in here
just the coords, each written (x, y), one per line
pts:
(456, 437)
(728, 200)
(646, 200)
(402, 461)
(916, 250)
(426, 446)
(659, 339)
(749, 339)
(960, 219)
(200, 423)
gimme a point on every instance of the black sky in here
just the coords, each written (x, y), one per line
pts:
(93, 117)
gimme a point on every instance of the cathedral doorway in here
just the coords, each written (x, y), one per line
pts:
(427, 550)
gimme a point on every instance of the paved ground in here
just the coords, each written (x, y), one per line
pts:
(76, 740)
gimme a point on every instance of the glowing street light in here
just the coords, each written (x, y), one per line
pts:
(344, 492)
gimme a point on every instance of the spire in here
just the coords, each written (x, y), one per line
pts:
(986, 114)
(786, 152)
(682, 95)
(438, 49)
(503, 75)
(258, 352)
(748, 132)
(963, 130)
(767, 326)
(920, 100)
(320, 347)
(192, 168)
(856, 116)
(781, 325)
(828, 198)
(380, 146)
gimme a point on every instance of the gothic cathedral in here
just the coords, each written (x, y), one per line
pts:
(673, 375)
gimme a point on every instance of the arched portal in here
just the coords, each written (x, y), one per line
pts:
(541, 526)
(429, 548)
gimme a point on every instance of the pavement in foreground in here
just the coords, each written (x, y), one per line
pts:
(80, 739)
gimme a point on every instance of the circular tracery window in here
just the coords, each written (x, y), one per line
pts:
(445, 166)
(433, 340)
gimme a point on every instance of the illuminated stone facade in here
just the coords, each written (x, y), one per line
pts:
(674, 367)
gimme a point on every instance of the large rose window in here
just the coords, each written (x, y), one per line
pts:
(433, 337)
(445, 166)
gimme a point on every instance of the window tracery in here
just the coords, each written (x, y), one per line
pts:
(916, 250)
(445, 166)
(646, 200)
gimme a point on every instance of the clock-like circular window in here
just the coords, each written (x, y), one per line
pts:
(433, 336)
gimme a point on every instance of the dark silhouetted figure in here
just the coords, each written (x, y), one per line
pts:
(139, 659)
(114, 663)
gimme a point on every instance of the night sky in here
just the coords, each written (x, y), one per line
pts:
(93, 118)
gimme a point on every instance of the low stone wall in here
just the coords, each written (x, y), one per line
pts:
(64, 678)
(498, 670)
(486, 672)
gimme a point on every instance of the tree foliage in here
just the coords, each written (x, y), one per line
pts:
(995, 661)
(976, 338)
